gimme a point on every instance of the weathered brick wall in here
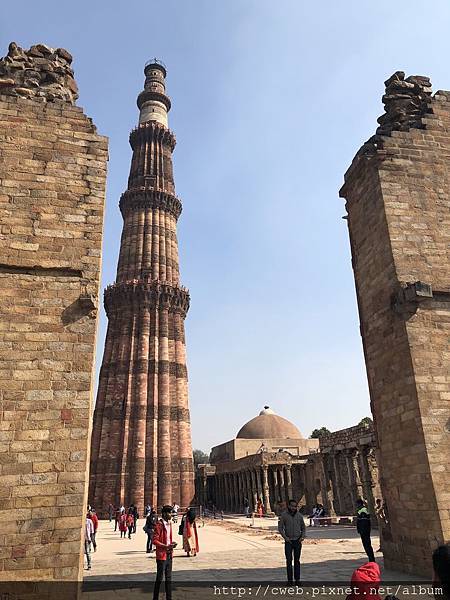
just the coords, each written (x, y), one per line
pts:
(346, 436)
(52, 186)
(398, 199)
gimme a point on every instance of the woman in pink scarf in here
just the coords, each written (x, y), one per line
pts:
(190, 537)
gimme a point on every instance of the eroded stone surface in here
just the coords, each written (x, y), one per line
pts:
(40, 72)
(398, 197)
(52, 191)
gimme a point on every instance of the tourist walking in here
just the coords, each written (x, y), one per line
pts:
(363, 528)
(123, 525)
(259, 508)
(93, 517)
(88, 531)
(164, 544)
(175, 510)
(110, 511)
(130, 522)
(135, 514)
(188, 527)
(292, 529)
(117, 519)
(149, 529)
(147, 510)
(247, 507)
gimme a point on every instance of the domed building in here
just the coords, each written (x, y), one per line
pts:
(258, 461)
(269, 461)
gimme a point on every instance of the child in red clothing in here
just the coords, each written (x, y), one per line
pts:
(123, 525)
(130, 523)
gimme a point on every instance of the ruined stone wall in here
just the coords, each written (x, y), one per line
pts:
(52, 187)
(398, 200)
(344, 469)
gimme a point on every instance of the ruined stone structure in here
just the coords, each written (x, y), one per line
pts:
(141, 444)
(335, 470)
(52, 188)
(398, 200)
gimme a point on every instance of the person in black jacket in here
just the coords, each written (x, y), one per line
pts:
(150, 522)
(441, 572)
(134, 512)
(363, 528)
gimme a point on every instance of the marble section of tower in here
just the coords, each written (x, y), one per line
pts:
(141, 444)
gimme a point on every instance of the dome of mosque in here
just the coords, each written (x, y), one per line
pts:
(269, 425)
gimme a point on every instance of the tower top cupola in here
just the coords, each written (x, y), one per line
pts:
(153, 102)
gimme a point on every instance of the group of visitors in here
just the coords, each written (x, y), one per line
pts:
(367, 578)
(160, 535)
(124, 519)
(291, 526)
(259, 508)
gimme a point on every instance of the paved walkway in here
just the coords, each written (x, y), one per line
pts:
(230, 552)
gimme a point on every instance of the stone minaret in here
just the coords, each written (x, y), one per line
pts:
(141, 444)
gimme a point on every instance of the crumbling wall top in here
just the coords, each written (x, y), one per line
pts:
(40, 72)
(405, 103)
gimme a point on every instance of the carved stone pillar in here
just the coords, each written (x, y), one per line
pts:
(276, 485)
(337, 485)
(218, 491)
(282, 485)
(289, 481)
(327, 492)
(266, 491)
(236, 492)
(366, 479)
(258, 483)
(254, 489)
(240, 491)
(229, 492)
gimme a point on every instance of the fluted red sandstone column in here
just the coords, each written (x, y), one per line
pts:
(141, 445)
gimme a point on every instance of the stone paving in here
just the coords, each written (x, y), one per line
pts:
(230, 552)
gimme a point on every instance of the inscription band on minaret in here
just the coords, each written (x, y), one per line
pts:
(141, 448)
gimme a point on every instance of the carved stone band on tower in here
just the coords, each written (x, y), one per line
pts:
(141, 442)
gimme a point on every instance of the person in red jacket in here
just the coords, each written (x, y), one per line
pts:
(164, 545)
(93, 517)
(365, 582)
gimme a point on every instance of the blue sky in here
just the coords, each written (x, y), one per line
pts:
(270, 101)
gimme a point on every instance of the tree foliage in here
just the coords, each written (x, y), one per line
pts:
(318, 433)
(200, 457)
(366, 421)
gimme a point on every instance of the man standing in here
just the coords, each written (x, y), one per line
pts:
(164, 544)
(110, 511)
(117, 518)
(292, 529)
(88, 532)
(135, 517)
(93, 517)
(363, 528)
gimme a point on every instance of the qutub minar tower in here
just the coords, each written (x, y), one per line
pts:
(141, 442)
